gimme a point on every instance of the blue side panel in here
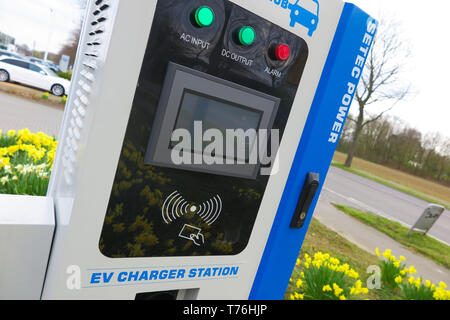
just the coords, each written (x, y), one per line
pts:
(315, 152)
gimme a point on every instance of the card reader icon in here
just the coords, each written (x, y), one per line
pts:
(305, 17)
(192, 233)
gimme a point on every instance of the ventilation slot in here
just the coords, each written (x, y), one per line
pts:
(90, 64)
(97, 31)
(87, 75)
(99, 20)
(93, 53)
(85, 85)
(102, 8)
(95, 42)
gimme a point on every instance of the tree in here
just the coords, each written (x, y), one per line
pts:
(71, 46)
(24, 49)
(381, 80)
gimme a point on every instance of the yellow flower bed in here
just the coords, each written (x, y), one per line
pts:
(26, 161)
(395, 274)
(325, 278)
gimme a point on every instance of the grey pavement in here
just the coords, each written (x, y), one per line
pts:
(18, 113)
(368, 239)
(351, 190)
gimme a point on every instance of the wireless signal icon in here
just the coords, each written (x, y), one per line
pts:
(210, 210)
(175, 206)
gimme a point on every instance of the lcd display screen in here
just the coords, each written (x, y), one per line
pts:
(213, 113)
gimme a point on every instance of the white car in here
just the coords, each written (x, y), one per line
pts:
(33, 75)
(5, 54)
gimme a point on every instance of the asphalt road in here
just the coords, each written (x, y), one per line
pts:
(19, 113)
(344, 188)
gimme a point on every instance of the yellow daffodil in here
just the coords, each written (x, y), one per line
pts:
(298, 296)
(352, 274)
(337, 290)
(387, 253)
(412, 270)
(418, 282)
(4, 162)
(326, 288)
(441, 294)
(334, 261)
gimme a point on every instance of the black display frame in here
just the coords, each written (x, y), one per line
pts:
(180, 79)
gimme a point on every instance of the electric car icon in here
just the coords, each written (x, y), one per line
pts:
(305, 17)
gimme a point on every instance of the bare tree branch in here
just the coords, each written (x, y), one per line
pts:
(381, 80)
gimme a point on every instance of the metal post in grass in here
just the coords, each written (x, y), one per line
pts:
(428, 218)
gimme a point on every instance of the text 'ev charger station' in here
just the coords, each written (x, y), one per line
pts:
(195, 142)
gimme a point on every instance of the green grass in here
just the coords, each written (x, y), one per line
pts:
(393, 185)
(320, 238)
(423, 244)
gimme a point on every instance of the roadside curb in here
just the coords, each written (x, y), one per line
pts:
(30, 94)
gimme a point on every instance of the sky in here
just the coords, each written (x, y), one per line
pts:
(30, 21)
(424, 24)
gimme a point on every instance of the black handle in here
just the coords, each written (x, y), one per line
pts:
(304, 202)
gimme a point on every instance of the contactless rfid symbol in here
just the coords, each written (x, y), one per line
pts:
(175, 207)
(193, 234)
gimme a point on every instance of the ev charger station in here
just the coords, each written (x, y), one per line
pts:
(129, 222)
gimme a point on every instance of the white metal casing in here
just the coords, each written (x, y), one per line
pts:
(26, 232)
(91, 141)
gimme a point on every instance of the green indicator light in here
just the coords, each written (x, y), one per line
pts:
(204, 16)
(247, 35)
